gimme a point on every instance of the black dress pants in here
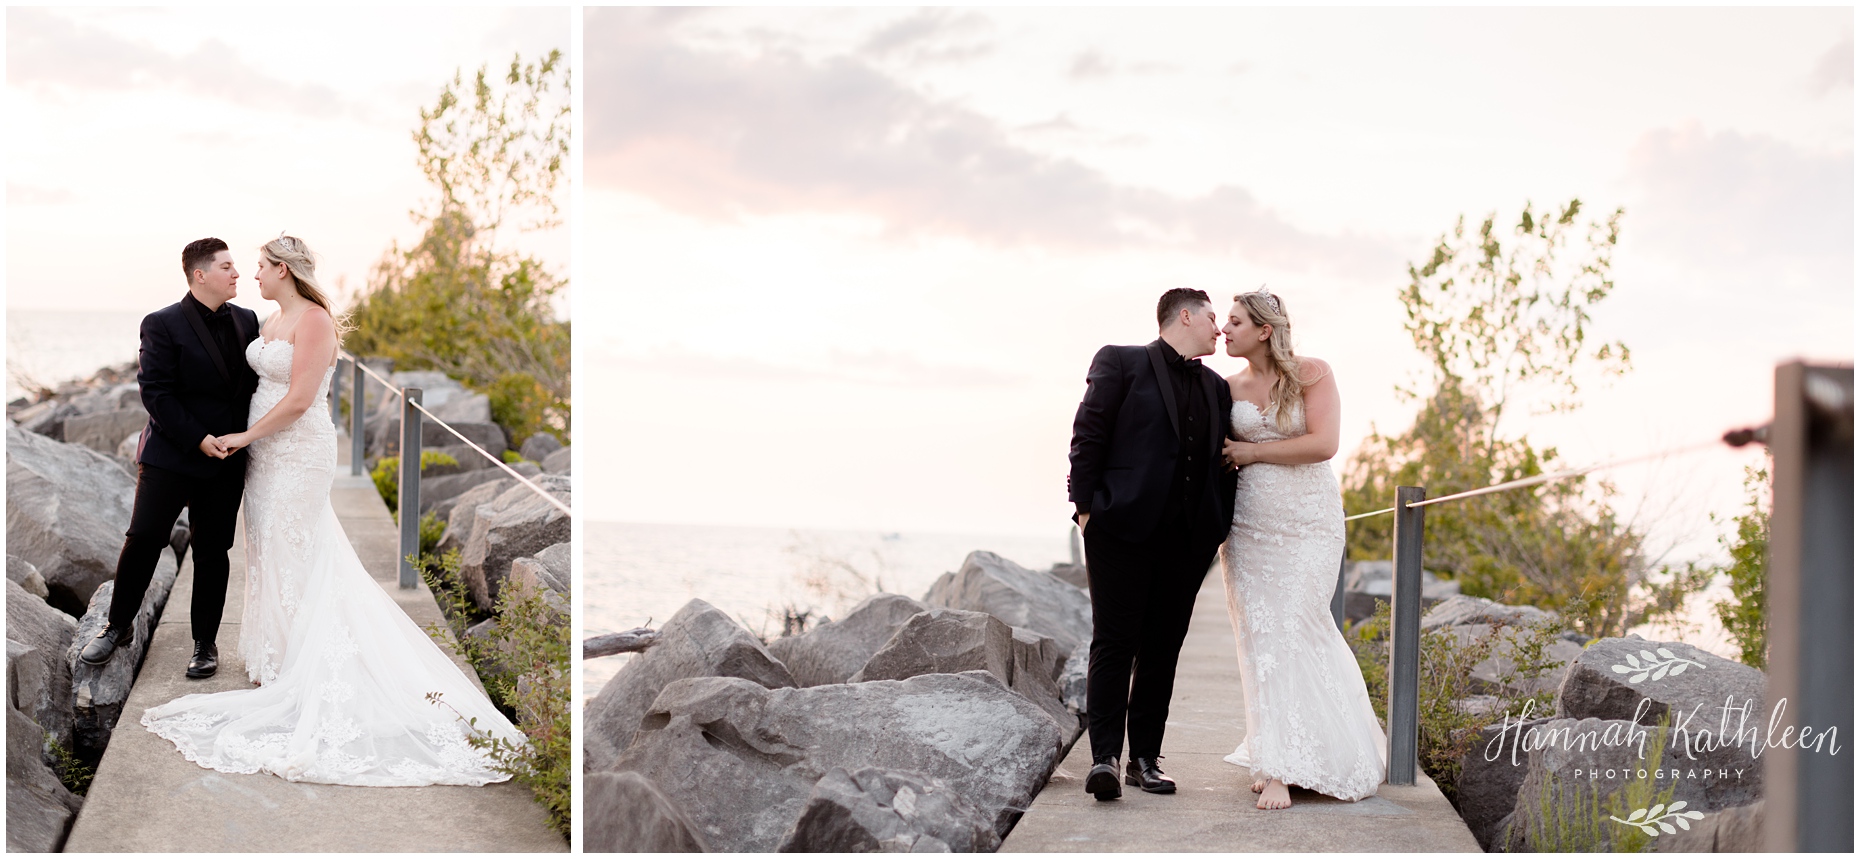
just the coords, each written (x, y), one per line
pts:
(1142, 595)
(214, 511)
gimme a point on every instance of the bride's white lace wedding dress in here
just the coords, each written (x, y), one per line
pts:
(1308, 717)
(343, 673)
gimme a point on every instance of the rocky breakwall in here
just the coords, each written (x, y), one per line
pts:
(909, 725)
(68, 506)
(1605, 735)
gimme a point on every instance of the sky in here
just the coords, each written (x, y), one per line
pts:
(132, 131)
(846, 268)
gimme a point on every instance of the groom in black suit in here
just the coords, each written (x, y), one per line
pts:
(1154, 501)
(196, 386)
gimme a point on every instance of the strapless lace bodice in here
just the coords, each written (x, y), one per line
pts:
(271, 360)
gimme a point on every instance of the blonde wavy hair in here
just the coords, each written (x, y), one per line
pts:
(1264, 308)
(295, 255)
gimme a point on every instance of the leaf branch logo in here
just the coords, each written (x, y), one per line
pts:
(1646, 819)
(1660, 666)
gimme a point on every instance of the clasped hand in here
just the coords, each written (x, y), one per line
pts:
(220, 447)
(1239, 453)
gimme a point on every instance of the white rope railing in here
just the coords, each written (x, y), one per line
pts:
(1534, 480)
(495, 460)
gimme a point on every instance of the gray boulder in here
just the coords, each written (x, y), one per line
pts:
(836, 650)
(1490, 778)
(468, 460)
(949, 641)
(1733, 830)
(460, 512)
(1461, 610)
(1571, 763)
(546, 570)
(698, 641)
(743, 760)
(1018, 596)
(126, 449)
(1614, 675)
(44, 692)
(516, 524)
(48, 419)
(1071, 574)
(38, 808)
(538, 446)
(1366, 583)
(871, 810)
(626, 814)
(67, 507)
(437, 491)
(463, 408)
(99, 691)
(21, 572)
(1072, 680)
(103, 431)
(384, 437)
(556, 463)
(1497, 674)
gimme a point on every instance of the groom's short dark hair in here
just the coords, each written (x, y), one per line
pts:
(197, 254)
(1172, 303)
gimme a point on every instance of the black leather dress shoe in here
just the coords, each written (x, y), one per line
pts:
(1144, 773)
(101, 648)
(1102, 783)
(206, 660)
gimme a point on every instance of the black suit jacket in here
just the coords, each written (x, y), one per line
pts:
(1125, 443)
(190, 390)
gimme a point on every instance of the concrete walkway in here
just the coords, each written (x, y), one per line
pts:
(1212, 810)
(147, 798)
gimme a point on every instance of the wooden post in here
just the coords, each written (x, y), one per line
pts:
(1809, 793)
(409, 487)
(1405, 638)
(358, 411)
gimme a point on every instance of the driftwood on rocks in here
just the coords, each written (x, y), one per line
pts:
(872, 810)
(612, 643)
(836, 650)
(743, 760)
(626, 814)
(698, 641)
(1018, 596)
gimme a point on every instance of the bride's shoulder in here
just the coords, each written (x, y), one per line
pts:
(1312, 370)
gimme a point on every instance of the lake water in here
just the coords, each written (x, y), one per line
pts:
(635, 573)
(52, 346)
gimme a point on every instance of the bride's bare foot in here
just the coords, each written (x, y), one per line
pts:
(1274, 795)
(1259, 784)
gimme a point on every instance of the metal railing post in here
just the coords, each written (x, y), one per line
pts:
(1809, 791)
(335, 395)
(358, 415)
(409, 486)
(1405, 638)
(1336, 597)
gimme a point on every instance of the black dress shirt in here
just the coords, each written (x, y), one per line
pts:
(225, 333)
(1191, 469)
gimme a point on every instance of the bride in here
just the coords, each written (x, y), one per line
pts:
(1308, 717)
(343, 676)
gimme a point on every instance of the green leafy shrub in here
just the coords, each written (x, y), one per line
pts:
(1743, 614)
(525, 667)
(1574, 817)
(512, 457)
(386, 476)
(71, 770)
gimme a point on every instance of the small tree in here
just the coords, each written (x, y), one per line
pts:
(1743, 615)
(458, 300)
(1502, 320)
